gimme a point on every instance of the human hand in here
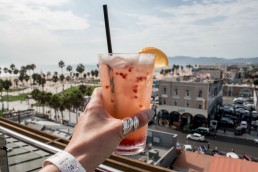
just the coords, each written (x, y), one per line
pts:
(97, 133)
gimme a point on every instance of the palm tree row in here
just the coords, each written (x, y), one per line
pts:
(72, 99)
(175, 68)
(24, 73)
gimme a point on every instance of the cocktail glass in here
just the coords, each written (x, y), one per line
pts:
(126, 81)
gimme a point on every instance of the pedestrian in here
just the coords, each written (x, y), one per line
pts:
(208, 145)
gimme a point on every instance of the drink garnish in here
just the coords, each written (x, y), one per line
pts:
(161, 59)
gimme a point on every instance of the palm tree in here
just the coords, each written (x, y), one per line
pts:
(61, 64)
(5, 71)
(1, 90)
(48, 74)
(12, 67)
(80, 68)
(7, 85)
(30, 67)
(41, 80)
(69, 68)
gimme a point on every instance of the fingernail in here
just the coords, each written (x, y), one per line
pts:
(151, 113)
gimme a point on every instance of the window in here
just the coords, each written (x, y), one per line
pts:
(176, 92)
(165, 90)
(200, 106)
(200, 93)
(164, 102)
(187, 93)
(175, 103)
(187, 104)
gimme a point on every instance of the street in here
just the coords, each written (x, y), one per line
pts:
(225, 144)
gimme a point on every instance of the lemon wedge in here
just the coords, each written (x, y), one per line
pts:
(161, 59)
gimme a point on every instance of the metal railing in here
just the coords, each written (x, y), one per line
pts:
(51, 143)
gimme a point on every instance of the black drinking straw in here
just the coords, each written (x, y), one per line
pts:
(110, 70)
(105, 10)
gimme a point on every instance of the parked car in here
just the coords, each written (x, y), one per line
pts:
(243, 124)
(254, 114)
(238, 100)
(202, 130)
(196, 137)
(242, 111)
(226, 123)
(228, 109)
(232, 155)
(188, 147)
(256, 141)
(239, 131)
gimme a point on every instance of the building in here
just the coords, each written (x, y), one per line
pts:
(236, 90)
(160, 149)
(213, 73)
(188, 102)
(192, 161)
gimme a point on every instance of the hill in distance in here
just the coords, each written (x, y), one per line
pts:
(185, 60)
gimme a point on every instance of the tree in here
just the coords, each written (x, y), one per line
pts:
(61, 64)
(34, 77)
(40, 79)
(77, 100)
(1, 90)
(69, 68)
(5, 71)
(48, 74)
(96, 73)
(54, 103)
(7, 85)
(80, 68)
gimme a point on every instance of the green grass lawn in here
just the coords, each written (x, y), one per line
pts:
(14, 90)
(20, 97)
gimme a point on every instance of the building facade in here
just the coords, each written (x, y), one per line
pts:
(188, 103)
(234, 90)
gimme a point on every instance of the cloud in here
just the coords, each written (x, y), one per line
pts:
(32, 31)
(205, 29)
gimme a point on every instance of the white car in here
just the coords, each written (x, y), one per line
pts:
(188, 147)
(256, 141)
(232, 155)
(195, 136)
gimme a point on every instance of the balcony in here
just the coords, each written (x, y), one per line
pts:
(29, 147)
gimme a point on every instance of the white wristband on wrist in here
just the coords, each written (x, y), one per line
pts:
(65, 162)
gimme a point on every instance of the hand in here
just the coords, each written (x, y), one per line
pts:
(97, 133)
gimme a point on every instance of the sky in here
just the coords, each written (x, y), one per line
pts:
(47, 31)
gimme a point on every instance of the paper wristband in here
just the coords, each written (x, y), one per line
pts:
(65, 162)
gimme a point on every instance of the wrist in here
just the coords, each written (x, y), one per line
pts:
(65, 162)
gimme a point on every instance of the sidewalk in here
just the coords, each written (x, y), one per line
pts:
(232, 134)
(23, 105)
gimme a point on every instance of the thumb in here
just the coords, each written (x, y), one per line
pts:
(137, 121)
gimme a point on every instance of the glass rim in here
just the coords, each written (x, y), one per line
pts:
(111, 54)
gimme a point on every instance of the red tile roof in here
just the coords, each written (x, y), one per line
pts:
(192, 162)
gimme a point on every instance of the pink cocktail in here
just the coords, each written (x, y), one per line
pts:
(126, 81)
